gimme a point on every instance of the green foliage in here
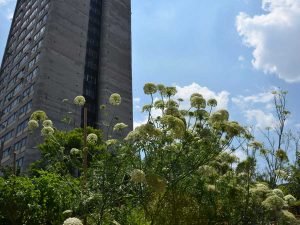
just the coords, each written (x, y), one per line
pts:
(177, 168)
(36, 200)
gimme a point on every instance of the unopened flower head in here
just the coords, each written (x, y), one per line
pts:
(92, 139)
(212, 102)
(72, 221)
(79, 100)
(47, 123)
(198, 102)
(33, 124)
(115, 99)
(38, 115)
(138, 176)
(47, 131)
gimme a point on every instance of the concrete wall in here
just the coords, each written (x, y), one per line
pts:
(115, 60)
(61, 64)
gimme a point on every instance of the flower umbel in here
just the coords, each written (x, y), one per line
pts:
(138, 176)
(72, 221)
(79, 100)
(115, 99)
(47, 131)
(120, 126)
(33, 124)
(92, 139)
(47, 123)
(75, 151)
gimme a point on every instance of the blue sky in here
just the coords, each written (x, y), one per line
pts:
(234, 50)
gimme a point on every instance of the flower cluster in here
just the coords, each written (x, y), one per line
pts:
(138, 176)
(47, 131)
(72, 221)
(115, 99)
(120, 126)
(47, 123)
(111, 142)
(38, 116)
(33, 124)
(75, 151)
(92, 139)
(290, 199)
(150, 88)
(79, 100)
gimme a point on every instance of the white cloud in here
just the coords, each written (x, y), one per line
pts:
(186, 91)
(10, 15)
(240, 154)
(260, 118)
(136, 100)
(244, 101)
(241, 58)
(5, 2)
(257, 108)
(275, 38)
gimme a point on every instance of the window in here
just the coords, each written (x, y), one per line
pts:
(20, 162)
(20, 144)
(22, 126)
(36, 47)
(39, 34)
(6, 152)
(33, 61)
(32, 75)
(28, 91)
(25, 109)
(7, 136)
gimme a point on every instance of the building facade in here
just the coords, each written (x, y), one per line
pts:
(59, 49)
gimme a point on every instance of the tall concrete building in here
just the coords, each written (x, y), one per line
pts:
(58, 49)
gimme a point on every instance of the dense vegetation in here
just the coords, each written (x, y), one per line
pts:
(177, 168)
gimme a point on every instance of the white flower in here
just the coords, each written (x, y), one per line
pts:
(138, 176)
(33, 124)
(278, 192)
(75, 151)
(79, 100)
(47, 131)
(92, 139)
(111, 142)
(47, 123)
(72, 221)
(67, 212)
(120, 126)
(210, 187)
(273, 203)
(290, 199)
(115, 99)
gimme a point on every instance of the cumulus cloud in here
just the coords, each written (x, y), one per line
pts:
(260, 118)
(257, 108)
(245, 101)
(186, 91)
(275, 37)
